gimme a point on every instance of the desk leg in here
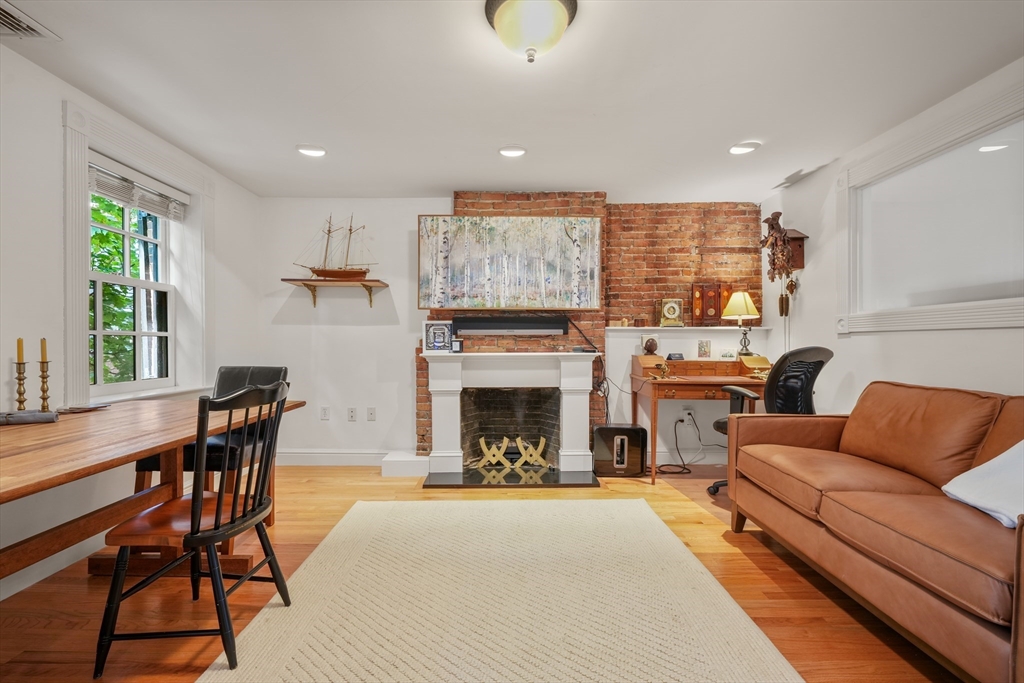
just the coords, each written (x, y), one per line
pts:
(654, 437)
(635, 396)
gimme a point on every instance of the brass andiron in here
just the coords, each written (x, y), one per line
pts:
(44, 386)
(530, 454)
(20, 376)
(495, 455)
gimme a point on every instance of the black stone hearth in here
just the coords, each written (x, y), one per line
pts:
(494, 477)
(528, 413)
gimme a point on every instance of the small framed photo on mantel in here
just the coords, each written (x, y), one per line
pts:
(704, 348)
(437, 335)
(727, 354)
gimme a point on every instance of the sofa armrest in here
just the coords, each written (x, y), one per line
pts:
(806, 431)
(1017, 634)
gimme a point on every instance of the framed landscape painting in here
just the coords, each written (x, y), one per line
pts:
(509, 262)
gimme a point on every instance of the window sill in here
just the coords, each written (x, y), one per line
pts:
(978, 315)
(167, 392)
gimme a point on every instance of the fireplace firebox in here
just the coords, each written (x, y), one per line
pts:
(530, 416)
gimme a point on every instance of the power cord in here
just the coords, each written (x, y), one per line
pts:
(673, 468)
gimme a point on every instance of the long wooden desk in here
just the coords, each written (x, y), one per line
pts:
(685, 381)
(40, 457)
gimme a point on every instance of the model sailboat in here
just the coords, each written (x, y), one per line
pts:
(351, 271)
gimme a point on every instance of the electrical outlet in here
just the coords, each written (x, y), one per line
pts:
(689, 418)
(325, 412)
(371, 414)
(352, 415)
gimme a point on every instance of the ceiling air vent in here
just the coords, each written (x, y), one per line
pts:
(14, 22)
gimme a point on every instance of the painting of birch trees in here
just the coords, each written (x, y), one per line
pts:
(509, 262)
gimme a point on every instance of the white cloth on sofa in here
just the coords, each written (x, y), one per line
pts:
(996, 487)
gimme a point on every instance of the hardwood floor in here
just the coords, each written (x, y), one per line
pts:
(48, 631)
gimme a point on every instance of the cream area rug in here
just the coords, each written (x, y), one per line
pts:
(563, 590)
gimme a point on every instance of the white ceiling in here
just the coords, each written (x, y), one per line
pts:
(414, 98)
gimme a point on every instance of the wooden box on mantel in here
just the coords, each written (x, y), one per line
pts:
(708, 300)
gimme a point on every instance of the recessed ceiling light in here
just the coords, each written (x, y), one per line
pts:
(744, 147)
(311, 150)
(512, 151)
(992, 148)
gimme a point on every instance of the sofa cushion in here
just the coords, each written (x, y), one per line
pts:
(952, 549)
(934, 434)
(798, 476)
(1007, 430)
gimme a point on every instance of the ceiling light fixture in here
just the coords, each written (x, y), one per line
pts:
(530, 27)
(992, 148)
(744, 147)
(311, 150)
(512, 151)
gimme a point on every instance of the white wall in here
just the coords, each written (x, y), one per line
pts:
(32, 285)
(344, 354)
(991, 360)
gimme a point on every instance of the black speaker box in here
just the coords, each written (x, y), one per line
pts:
(620, 450)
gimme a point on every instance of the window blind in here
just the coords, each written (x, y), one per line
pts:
(133, 195)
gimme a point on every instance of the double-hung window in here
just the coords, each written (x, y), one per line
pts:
(131, 321)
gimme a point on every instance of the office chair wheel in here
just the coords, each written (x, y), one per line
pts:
(713, 490)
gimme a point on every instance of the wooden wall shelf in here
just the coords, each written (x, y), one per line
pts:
(312, 283)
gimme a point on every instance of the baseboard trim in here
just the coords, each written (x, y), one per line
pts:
(329, 457)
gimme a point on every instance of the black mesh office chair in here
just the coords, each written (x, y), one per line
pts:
(788, 389)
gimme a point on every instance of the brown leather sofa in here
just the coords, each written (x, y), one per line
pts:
(858, 498)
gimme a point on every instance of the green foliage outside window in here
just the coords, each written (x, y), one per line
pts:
(118, 301)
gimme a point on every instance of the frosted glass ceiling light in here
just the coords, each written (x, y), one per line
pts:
(311, 150)
(744, 147)
(530, 27)
(992, 148)
(512, 151)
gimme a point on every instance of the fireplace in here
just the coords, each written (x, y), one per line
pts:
(530, 416)
(563, 379)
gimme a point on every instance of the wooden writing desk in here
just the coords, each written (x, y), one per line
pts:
(40, 457)
(687, 380)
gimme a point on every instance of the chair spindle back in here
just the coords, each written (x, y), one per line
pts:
(253, 417)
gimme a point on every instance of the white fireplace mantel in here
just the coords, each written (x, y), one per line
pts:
(449, 373)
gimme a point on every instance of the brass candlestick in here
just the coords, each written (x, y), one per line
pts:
(20, 376)
(44, 387)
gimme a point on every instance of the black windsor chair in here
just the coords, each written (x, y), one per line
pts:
(197, 522)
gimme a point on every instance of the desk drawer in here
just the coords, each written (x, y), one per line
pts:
(697, 393)
(703, 368)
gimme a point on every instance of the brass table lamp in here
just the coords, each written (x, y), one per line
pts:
(741, 307)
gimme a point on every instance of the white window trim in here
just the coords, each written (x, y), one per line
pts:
(999, 109)
(133, 147)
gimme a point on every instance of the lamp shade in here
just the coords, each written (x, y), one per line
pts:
(740, 307)
(530, 27)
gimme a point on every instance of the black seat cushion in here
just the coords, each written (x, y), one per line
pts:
(214, 454)
(721, 425)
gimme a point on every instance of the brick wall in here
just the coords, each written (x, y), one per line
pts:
(657, 251)
(649, 252)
